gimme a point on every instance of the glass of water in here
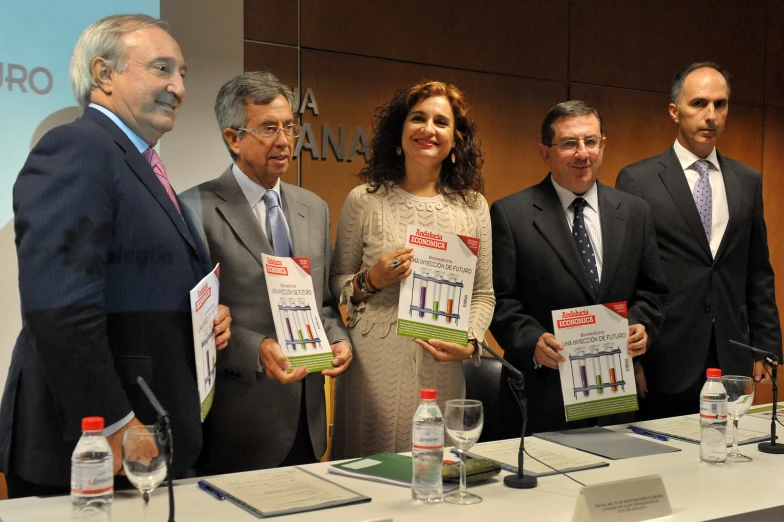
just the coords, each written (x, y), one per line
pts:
(463, 420)
(740, 395)
(144, 459)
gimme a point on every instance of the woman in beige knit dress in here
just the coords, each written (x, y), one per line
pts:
(425, 171)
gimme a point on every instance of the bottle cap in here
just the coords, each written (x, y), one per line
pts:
(92, 424)
(428, 394)
(713, 373)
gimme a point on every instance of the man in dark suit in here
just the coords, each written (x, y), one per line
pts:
(714, 250)
(537, 267)
(279, 420)
(106, 263)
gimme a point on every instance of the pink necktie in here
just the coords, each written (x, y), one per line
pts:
(160, 172)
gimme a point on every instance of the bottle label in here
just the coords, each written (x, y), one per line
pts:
(713, 409)
(91, 480)
(426, 438)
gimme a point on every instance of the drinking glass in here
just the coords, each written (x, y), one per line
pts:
(740, 394)
(144, 459)
(463, 420)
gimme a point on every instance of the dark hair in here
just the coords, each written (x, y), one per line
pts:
(564, 110)
(386, 168)
(258, 87)
(679, 79)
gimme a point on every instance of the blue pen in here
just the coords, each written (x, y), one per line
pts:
(212, 491)
(656, 436)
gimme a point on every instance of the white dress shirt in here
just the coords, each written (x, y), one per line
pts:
(720, 213)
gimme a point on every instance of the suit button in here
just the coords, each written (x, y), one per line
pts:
(707, 309)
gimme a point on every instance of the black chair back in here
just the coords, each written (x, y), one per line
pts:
(483, 383)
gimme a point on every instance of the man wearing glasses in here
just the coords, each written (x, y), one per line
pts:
(279, 420)
(567, 242)
(713, 243)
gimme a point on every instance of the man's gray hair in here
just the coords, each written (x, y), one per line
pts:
(258, 87)
(104, 39)
(680, 78)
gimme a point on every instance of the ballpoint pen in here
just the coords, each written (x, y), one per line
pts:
(644, 433)
(212, 491)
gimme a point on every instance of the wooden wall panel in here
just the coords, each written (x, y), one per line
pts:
(271, 21)
(774, 55)
(508, 112)
(773, 192)
(641, 45)
(523, 38)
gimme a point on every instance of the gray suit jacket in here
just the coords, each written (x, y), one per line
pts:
(254, 419)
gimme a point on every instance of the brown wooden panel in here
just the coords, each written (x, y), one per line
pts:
(523, 38)
(641, 45)
(774, 55)
(773, 194)
(508, 112)
(638, 126)
(271, 21)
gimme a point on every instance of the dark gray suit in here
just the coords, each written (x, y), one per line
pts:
(733, 292)
(537, 269)
(254, 419)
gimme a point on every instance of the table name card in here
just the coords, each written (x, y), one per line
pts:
(627, 500)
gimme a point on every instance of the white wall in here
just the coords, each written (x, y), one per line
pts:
(211, 37)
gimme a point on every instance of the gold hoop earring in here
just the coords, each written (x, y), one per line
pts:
(399, 150)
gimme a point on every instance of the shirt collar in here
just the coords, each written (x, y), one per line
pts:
(139, 143)
(252, 190)
(687, 158)
(567, 197)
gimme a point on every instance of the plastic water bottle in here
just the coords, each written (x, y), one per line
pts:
(427, 449)
(92, 474)
(713, 419)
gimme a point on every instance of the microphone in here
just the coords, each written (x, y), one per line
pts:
(163, 422)
(517, 385)
(772, 362)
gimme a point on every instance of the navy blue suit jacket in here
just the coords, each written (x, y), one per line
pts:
(105, 266)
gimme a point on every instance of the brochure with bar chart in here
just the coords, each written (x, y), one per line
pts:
(436, 299)
(296, 314)
(204, 306)
(597, 377)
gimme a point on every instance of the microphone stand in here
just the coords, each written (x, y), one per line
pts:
(163, 421)
(517, 385)
(772, 362)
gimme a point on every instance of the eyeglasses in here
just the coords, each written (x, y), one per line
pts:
(268, 132)
(571, 146)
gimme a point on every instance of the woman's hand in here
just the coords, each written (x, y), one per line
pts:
(443, 351)
(391, 267)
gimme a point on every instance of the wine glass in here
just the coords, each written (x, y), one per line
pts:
(144, 459)
(740, 394)
(463, 421)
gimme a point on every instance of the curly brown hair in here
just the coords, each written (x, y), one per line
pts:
(386, 168)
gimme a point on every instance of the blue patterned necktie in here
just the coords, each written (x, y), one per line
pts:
(703, 195)
(580, 234)
(280, 238)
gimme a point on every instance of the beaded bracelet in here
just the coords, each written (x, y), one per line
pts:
(362, 283)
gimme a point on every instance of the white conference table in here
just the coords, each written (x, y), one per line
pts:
(731, 492)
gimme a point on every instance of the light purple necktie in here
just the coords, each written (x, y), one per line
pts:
(277, 221)
(160, 172)
(703, 196)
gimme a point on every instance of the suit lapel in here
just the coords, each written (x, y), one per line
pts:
(143, 171)
(613, 219)
(675, 181)
(240, 217)
(551, 223)
(732, 188)
(296, 217)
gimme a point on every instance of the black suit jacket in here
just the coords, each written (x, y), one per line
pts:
(105, 266)
(733, 292)
(537, 269)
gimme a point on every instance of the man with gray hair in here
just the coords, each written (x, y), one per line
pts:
(713, 243)
(278, 420)
(106, 263)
